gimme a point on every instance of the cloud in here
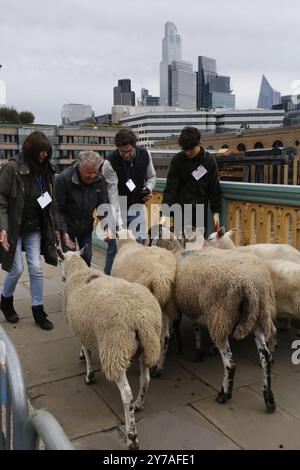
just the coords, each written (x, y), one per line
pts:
(61, 51)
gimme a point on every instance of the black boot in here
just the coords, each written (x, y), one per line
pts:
(7, 307)
(40, 317)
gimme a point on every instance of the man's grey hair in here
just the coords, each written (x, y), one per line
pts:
(90, 156)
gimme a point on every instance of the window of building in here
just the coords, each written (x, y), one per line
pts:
(258, 145)
(241, 147)
(277, 143)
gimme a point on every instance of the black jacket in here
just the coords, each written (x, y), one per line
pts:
(183, 188)
(136, 170)
(13, 177)
(76, 201)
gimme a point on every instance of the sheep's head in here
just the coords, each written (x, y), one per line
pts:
(71, 261)
(222, 239)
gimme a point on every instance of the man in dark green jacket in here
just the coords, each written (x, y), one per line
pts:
(193, 178)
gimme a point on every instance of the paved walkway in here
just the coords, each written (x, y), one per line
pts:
(180, 411)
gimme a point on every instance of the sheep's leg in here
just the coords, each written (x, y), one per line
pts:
(229, 370)
(81, 354)
(90, 374)
(177, 335)
(165, 339)
(198, 339)
(272, 343)
(127, 399)
(265, 359)
(144, 384)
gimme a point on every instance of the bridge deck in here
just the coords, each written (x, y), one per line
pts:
(180, 412)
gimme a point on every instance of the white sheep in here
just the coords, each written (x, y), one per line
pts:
(115, 318)
(155, 269)
(283, 262)
(267, 251)
(234, 293)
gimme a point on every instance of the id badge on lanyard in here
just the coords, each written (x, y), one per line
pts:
(45, 198)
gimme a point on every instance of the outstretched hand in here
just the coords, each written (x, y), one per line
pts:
(3, 240)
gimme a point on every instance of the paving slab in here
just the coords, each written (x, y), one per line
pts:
(286, 390)
(244, 420)
(26, 332)
(283, 354)
(112, 440)
(79, 410)
(181, 429)
(175, 388)
(48, 362)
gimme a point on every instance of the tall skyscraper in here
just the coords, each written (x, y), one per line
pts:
(183, 85)
(268, 97)
(213, 90)
(123, 94)
(171, 51)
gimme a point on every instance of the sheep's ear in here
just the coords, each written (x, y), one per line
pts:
(231, 232)
(60, 255)
(83, 250)
(221, 232)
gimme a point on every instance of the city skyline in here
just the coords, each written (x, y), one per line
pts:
(62, 52)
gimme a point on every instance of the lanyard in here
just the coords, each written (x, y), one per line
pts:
(126, 169)
(39, 180)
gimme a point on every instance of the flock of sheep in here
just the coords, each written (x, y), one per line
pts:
(235, 291)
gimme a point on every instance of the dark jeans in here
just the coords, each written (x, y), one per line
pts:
(112, 246)
(82, 241)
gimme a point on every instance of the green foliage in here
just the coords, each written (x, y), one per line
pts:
(26, 117)
(11, 116)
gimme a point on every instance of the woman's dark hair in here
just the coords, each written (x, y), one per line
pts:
(125, 137)
(189, 138)
(35, 143)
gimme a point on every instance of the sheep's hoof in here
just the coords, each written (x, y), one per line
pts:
(199, 355)
(223, 397)
(133, 442)
(156, 372)
(269, 401)
(90, 378)
(138, 406)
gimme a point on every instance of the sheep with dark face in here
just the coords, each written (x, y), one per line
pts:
(115, 318)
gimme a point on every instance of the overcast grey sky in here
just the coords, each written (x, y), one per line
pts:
(73, 51)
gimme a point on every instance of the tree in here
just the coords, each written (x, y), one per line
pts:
(9, 115)
(26, 117)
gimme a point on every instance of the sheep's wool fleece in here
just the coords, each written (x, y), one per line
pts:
(152, 267)
(233, 291)
(107, 314)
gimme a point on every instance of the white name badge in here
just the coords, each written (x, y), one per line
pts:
(44, 199)
(199, 172)
(130, 185)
